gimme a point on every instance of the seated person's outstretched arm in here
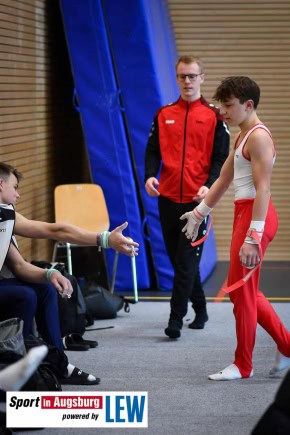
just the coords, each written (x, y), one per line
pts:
(29, 273)
(70, 233)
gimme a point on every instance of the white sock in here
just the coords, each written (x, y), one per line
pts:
(70, 369)
(13, 377)
(281, 363)
(230, 373)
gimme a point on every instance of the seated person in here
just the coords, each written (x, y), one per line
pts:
(27, 291)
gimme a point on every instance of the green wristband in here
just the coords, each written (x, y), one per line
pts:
(105, 239)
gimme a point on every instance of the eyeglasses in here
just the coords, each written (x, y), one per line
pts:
(191, 77)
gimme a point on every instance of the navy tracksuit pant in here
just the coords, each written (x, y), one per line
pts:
(28, 301)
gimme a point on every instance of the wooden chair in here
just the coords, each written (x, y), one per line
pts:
(84, 205)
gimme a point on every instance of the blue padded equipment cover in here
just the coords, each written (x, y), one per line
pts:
(101, 115)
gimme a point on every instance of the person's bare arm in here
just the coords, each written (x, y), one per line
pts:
(29, 273)
(260, 150)
(70, 233)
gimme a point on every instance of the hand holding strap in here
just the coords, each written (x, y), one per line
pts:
(254, 236)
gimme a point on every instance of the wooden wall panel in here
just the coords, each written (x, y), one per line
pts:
(40, 132)
(249, 37)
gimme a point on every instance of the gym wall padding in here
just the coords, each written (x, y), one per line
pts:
(123, 63)
(101, 115)
(144, 53)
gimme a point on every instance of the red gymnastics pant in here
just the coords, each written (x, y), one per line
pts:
(250, 305)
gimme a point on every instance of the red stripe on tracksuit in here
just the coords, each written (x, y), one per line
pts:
(250, 305)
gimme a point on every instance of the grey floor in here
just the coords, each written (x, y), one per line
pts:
(135, 355)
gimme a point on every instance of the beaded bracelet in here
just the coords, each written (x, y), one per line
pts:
(49, 272)
(99, 241)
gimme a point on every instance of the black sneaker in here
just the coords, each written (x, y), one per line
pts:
(173, 329)
(201, 318)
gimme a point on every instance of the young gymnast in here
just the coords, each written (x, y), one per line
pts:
(249, 166)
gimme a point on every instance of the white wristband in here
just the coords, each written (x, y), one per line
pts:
(258, 228)
(49, 272)
(257, 225)
(203, 209)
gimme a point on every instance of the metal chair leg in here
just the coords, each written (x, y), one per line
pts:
(69, 261)
(54, 252)
(134, 274)
(114, 271)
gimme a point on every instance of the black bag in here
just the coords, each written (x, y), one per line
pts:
(56, 360)
(43, 379)
(72, 311)
(13, 348)
(101, 304)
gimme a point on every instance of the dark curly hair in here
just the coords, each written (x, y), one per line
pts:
(240, 87)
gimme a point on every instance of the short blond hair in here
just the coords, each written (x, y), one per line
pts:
(187, 59)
